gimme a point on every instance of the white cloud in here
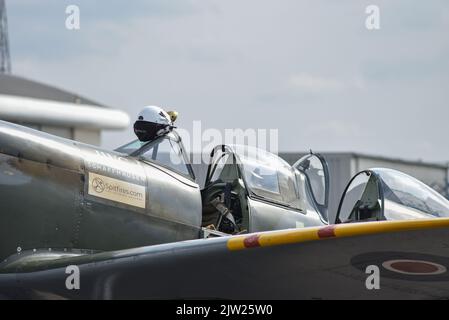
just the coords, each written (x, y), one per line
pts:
(310, 83)
(315, 84)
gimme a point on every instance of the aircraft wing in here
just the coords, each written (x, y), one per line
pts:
(311, 263)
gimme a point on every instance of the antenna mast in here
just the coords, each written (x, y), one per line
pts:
(5, 60)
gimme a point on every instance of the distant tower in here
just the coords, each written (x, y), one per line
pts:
(5, 62)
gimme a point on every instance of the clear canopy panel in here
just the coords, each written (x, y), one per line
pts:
(267, 175)
(406, 197)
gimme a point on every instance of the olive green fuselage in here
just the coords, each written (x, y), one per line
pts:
(57, 194)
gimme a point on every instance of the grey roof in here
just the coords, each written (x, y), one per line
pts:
(18, 86)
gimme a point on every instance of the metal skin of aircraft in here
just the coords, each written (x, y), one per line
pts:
(136, 226)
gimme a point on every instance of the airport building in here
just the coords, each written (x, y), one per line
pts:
(56, 111)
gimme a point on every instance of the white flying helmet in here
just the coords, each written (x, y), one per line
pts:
(154, 114)
(153, 122)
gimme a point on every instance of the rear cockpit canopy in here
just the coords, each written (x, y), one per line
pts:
(403, 191)
(386, 194)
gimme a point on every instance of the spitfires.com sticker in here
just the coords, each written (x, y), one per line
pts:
(116, 190)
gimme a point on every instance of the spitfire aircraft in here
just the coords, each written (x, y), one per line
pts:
(136, 224)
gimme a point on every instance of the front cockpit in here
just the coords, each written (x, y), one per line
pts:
(245, 178)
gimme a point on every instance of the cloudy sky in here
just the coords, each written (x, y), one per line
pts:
(309, 68)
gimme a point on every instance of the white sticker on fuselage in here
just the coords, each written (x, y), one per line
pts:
(299, 224)
(116, 190)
